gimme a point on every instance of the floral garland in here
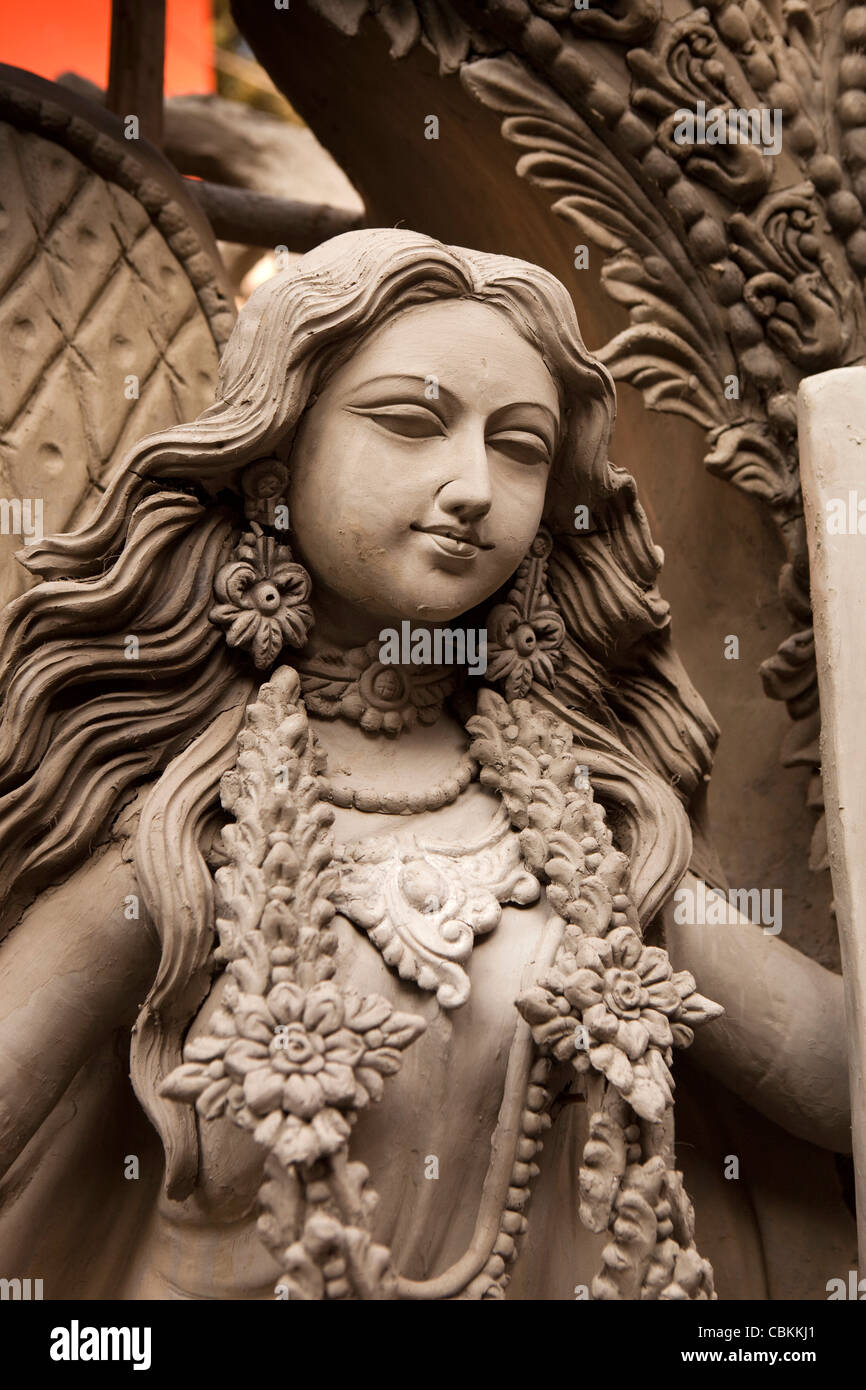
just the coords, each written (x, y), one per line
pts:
(293, 1057)
(611, 1005)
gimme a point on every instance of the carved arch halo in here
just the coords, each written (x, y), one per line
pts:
(716, 264)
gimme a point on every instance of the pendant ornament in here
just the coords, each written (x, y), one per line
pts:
(424, 902)
(265, 485)
(526, 632)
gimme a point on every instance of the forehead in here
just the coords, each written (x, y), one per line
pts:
(469, 347)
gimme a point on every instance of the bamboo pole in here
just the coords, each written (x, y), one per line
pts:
(832, 421)
(238, 214)
(135, 76)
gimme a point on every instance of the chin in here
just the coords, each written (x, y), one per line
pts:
(441, 610)
(425, 600)
(438, 616)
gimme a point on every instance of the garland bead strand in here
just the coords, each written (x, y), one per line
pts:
(403, 803)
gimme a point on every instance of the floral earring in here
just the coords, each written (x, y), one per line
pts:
(526, 632)
(261, 591)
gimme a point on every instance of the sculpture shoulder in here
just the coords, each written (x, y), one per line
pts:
(95, 897)
(80, 893)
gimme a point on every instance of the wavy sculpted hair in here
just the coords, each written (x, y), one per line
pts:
(82, 726)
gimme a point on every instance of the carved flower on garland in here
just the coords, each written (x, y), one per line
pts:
(632, 1006)
(286, 1065)
(262, 598)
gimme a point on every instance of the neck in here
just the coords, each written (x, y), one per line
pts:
(339, 628)
(342, 625)
(425, 751)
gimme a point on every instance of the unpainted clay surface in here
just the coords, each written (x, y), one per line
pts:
(405, 932)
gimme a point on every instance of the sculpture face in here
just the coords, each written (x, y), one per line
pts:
(419, 473)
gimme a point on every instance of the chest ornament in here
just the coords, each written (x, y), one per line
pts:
(424, 902)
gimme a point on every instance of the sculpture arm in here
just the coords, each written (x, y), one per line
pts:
(72, 970)
(781, 1045)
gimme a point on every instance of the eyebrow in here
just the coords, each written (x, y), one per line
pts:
(398, 382)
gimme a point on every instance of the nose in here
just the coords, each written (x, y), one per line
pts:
(467, 494)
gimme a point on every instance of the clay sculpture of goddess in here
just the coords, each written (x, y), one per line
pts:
(413, 990)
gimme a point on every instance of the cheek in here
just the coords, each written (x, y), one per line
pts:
(339, 477)
(517, 510)
(503, 563)
(321, 488)
(342, 511)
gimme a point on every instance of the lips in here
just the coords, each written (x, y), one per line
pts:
(459, 549)
(460, 545)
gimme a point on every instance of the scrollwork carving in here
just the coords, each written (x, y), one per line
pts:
(791, 285)
(732, 263)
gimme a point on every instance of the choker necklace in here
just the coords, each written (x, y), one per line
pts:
(404, 803)
(356, 685)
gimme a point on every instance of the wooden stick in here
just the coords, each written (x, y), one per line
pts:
(135, 75)
(832, 420)
(259, 219)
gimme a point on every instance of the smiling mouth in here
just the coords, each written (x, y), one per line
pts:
(462, 545)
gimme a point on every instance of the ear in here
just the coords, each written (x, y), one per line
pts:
(265, 486)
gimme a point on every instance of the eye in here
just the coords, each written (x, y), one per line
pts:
(407, 420)
(524, 446)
